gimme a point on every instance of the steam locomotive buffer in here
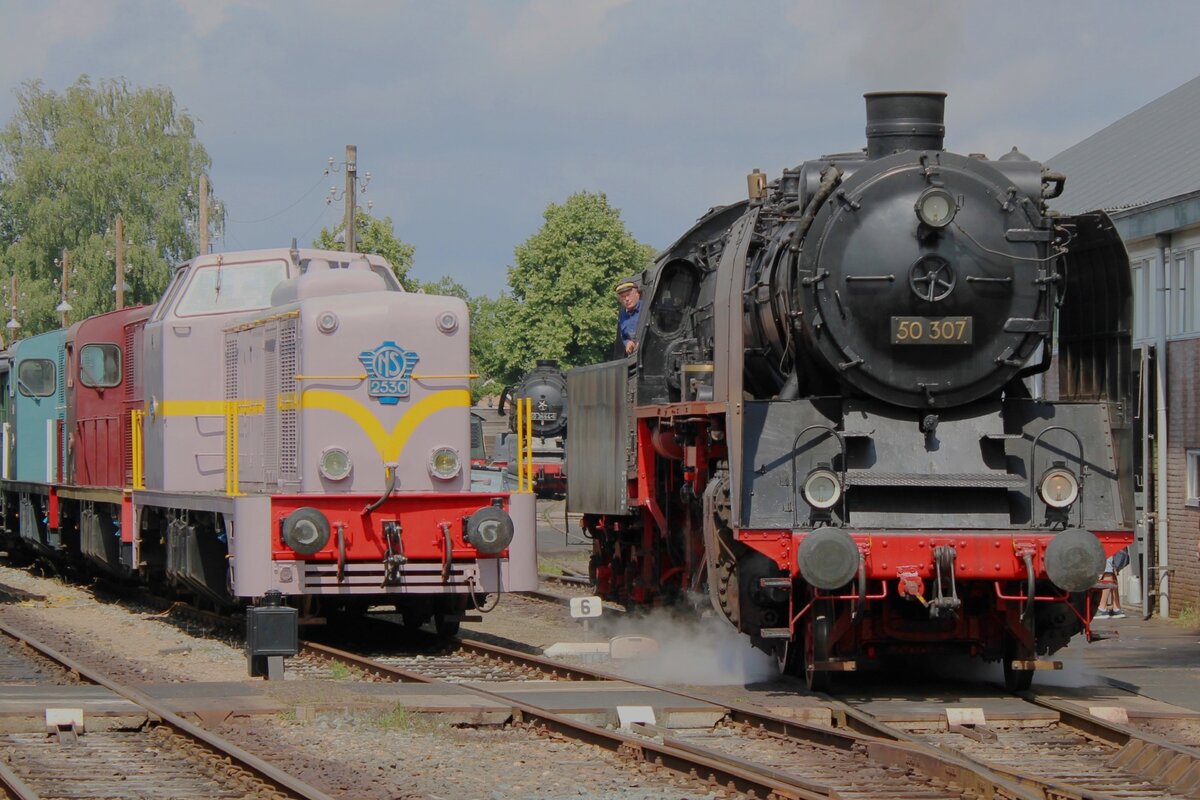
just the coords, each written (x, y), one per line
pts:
(835, 424)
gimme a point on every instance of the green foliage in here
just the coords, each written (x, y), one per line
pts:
(445, 286)
(340, 672)
(69, 164)
(562, 303)
(377, 236)
(489, 358)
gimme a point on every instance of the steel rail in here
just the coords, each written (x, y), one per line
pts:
(742, 777)
(722, 768)
(14, 786)
(1143, 753)
(277, 778)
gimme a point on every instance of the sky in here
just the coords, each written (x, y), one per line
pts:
(473, 116)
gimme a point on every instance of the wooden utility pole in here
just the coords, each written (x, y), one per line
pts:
(203, 215)
(120, 250)
(65, 305)
(351, 186)
(12, 324)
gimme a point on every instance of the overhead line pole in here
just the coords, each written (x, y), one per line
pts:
(65, 305)
(120, 251)
(351, 186)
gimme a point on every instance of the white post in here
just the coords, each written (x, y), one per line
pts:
(51, 441)
(1162, 508)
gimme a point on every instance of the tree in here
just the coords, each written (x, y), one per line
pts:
(487, 317)
(377, 236)
(562, 304)
(69, 164)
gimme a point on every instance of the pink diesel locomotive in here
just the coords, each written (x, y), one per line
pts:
(282, 420)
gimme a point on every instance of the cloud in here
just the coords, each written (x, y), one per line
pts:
(544, 33)
(35, 35)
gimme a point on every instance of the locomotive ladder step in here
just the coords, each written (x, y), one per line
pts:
(775, 633)
(775, 583)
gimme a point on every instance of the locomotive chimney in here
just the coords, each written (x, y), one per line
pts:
(904, 121)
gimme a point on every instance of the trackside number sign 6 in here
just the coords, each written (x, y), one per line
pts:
(583, 607)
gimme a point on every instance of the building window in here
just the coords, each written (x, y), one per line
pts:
(1142, 294)
(1193, 477)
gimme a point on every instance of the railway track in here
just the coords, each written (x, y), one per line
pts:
(167, 757)
(1075, 756)
(849, 763)
(1077, 753)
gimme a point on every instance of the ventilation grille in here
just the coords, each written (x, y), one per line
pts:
(62, 381)
(231, 366)
(127, 365)
(289, 450)
(270, 440)
(128, 360)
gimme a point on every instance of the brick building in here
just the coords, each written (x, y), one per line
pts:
(1144, 169)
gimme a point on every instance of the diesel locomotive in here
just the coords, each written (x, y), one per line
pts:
(879, 407)
(282, 420)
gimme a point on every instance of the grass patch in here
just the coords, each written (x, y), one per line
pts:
(400, 718)
(340, 672)
(549, 569)
(1189, 616)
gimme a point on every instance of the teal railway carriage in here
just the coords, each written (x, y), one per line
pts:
(282, 420)
(38, 389)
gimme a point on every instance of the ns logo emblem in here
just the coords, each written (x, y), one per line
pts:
(389, 371)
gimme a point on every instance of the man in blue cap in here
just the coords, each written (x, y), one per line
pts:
(627, 318)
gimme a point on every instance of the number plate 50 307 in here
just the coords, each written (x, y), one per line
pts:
(932, 330)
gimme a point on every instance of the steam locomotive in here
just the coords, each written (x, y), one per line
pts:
(545, 387)
(841, 422)
(282, 420)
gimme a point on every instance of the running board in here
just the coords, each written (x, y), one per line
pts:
(775, 633)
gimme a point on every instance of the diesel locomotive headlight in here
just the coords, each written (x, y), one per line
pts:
(822, 489)
(936, 207)
(444, 463)
(327, 322)
(447, 322)
(335, 463)
(490, 530)
(305, 530)
(1059, 487)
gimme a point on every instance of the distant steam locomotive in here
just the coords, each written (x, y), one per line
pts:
(828, 426)
(545, 387)
(287, 420)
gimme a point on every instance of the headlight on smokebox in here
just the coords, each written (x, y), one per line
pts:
(490, 530)
(822, 489)
(335, 463)
(305, 530)
(1059, 487)
(444, 463)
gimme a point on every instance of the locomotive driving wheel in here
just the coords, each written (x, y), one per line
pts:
(816, 647)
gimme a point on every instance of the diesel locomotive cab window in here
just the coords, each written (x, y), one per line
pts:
(220, 289)
(100, 365)
(35, 377)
